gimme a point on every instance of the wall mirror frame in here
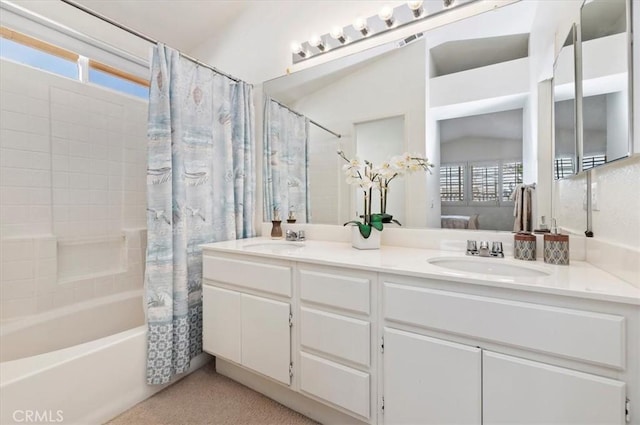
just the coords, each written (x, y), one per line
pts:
(566, 108)
(606, 83)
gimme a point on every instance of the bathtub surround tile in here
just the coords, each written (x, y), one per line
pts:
(15, 250)
(18, 289)
(68, 152)
(21, 307)
(63, 296)
(44, 303)
(46, 247)
(104, 285)
(47, 268)
(83, 290)
(16, 270)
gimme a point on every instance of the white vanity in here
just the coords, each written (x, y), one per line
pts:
(386, 337)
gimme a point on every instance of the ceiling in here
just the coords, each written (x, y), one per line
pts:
(496, 125)
(181, 23)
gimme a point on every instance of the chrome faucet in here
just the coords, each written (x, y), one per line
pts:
(292, 236)
(484, 251)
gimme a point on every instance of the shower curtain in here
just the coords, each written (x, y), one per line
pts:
(200, 183)
(286, 163)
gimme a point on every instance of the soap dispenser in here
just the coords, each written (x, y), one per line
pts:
(276, 229)
(556, 246)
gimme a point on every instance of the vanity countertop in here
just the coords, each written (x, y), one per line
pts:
(579, 279)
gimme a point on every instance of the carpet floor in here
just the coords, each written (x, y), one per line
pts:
(207, 398)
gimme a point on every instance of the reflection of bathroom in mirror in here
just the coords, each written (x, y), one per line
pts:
(426, 81)
(480, 166)
(564, 98)
(605, 81)
(378, 141)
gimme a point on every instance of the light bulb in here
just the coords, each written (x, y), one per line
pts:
(316, 41)
(361, 25)
(338, 34)
(416, 8)
(386, 14)
(297, 49)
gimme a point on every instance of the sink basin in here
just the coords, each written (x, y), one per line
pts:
(493, 266)
(273, 246)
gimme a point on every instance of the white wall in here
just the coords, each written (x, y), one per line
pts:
(362, 96)
(73, 190)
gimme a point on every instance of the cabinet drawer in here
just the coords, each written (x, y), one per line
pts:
(273, 279)
(345, 292)
(576, 334)
(335, 383)
(337, 335)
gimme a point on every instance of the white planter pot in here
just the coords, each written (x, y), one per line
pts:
(359, 242)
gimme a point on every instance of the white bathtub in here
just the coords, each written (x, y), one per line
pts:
(87, 383)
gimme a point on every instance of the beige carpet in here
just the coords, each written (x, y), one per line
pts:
(204, 397)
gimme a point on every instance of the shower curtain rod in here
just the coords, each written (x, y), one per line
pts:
(338, 135)
(143, 36)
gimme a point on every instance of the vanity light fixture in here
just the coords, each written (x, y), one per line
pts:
(338, 34)
(389, 18)
(316, 41)
(386, 14)
(416, 8)
(297, 49)
(360, 24)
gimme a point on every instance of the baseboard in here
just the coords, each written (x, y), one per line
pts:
(293, 400)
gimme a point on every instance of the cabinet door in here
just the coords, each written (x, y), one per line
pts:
(221, 322)
(266, 337)
(430, 381)
(517, 391)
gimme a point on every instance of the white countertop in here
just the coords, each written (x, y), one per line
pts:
(579, 279)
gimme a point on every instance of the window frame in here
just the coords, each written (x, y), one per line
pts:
(467, 189)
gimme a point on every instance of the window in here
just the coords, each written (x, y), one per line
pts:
(480, 183)
(484, 183)
(511, 177)
(592, 161)
(563, 167)
(38, 54)
(115, 79)
(452, 183)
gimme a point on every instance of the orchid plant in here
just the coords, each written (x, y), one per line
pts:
(368, 176)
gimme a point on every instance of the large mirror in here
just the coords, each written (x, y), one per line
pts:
(565, 162)
(422, 95)
(606, 59)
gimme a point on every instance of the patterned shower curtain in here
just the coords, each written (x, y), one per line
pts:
(286, 163)
(200, 183)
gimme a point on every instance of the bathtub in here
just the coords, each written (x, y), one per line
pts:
(88, 382)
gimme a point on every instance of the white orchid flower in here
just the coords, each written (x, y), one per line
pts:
(366, 183)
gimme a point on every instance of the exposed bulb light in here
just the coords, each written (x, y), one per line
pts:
(416, 8)
(386, 14)
(448, 3)
(316, 41)
(297, 49)
(361, 25)
(338, 34)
